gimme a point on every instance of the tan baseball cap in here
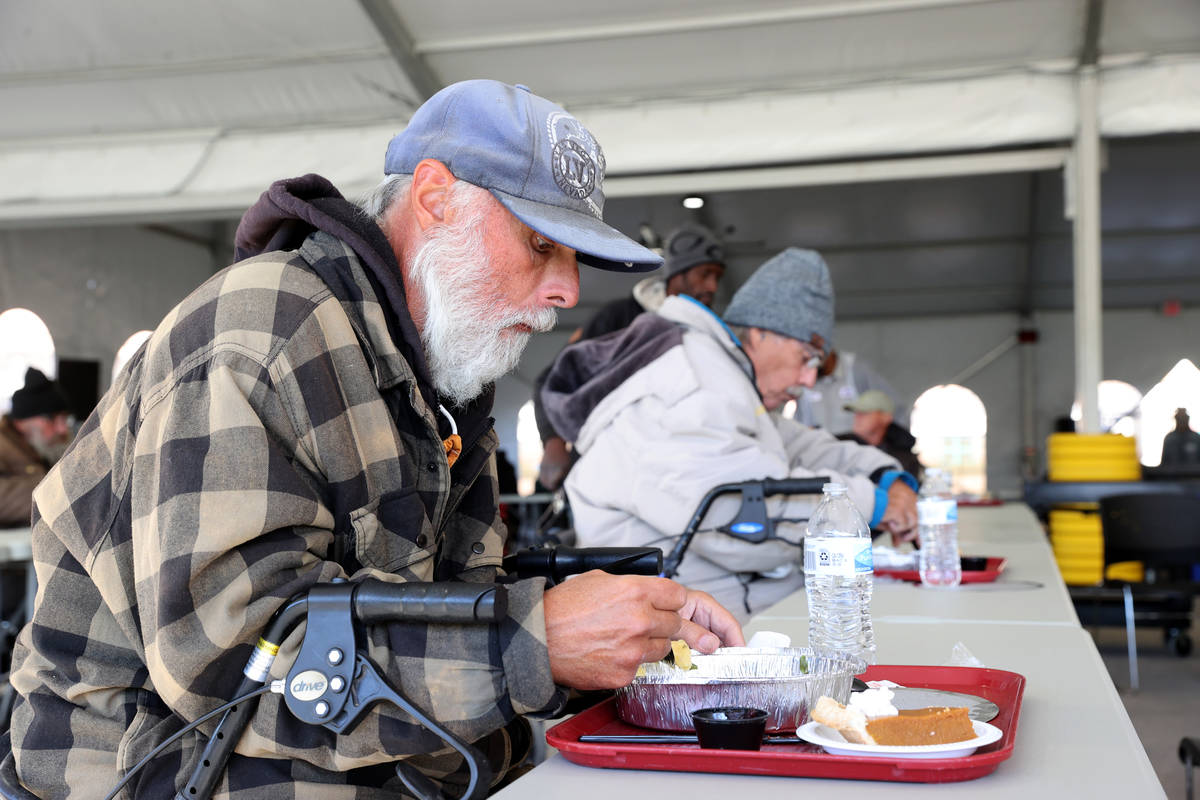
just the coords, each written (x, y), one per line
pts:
(871, 400)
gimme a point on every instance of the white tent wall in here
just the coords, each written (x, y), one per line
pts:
(199, 173)
(93, 287)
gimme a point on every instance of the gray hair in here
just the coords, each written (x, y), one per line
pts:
(376, 202)
(740, 331)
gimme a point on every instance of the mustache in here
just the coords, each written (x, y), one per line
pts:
(539, 320)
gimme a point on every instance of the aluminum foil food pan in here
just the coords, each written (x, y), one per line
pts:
(783, 681)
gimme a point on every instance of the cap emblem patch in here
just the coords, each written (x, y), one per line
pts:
(577, 163)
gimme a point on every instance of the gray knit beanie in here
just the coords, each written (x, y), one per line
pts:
(690, 246)
(790, 294)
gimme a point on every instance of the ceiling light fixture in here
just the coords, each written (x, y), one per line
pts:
(693, 201)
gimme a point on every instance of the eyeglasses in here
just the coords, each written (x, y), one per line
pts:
(814, 357)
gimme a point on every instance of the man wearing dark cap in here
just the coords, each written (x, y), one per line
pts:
(320, 411)
(683, 401)
(694, 263)
(33, 435)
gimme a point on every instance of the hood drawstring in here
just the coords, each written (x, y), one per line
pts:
(453, 442)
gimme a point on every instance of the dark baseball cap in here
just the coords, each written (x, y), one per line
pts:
(690, 246)
(534, 157)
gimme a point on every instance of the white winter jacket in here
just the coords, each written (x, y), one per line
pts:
(687, 421)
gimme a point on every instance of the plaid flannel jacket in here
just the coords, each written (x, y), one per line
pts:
(268, 437)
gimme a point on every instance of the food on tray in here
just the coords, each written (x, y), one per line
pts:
(872, 719)
(680, 657)
(681, 653)
(916, 726)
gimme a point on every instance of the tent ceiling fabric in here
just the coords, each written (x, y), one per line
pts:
(123, 110)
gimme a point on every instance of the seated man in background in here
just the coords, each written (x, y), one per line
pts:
(33, 435)
(1181, 446)
(694, 265)
(319, 411)
(682, 401)
(875, 424)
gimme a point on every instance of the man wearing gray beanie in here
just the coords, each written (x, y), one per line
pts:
(683, 401)
(694, 263)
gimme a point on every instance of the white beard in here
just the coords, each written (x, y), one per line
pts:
(50, 450)
(468, 336)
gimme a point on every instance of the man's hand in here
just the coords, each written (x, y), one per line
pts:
(556, 460)
(900, 517)
(600, 627)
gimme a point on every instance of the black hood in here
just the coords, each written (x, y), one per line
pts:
(588, 371)
(290, 210)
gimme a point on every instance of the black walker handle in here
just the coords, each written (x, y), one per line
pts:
(556, 563)
(751, 523)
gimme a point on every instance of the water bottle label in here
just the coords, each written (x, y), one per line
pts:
(843, 557)
(937, 512)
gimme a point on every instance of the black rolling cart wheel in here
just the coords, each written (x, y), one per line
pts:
(1179, 642)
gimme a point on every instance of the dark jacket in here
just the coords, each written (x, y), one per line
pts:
(278, 430)
(1180, 448)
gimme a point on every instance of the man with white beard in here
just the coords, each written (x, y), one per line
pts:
(33, 435)
(320, 411)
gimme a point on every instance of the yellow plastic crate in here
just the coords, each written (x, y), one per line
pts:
(1092, 457)
(1078, 544)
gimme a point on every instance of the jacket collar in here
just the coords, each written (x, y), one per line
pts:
(694, 315)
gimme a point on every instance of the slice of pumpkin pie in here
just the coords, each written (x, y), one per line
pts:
(873, 720)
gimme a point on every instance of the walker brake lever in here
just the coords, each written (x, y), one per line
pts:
(324, 688)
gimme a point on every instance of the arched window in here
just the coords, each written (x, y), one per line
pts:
(950, 426)
(1179, 388)
(1119, 404)
(529, 450)
(127, 350)
(25, 342)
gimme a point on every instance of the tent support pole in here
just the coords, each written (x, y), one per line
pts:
(1085, 177)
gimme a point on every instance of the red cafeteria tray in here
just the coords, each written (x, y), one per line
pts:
(989, 573)
(802, 759)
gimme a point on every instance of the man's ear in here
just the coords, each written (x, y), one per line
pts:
(430, 192)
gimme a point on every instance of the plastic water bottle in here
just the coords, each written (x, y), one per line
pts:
(937, 529)
(839, 576)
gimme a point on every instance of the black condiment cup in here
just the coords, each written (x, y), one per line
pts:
(730, 727)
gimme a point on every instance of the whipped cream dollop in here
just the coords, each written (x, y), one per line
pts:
(874, 703)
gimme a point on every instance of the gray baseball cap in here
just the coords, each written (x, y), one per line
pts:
(534, 157)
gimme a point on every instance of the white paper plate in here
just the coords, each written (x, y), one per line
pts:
(833, 742)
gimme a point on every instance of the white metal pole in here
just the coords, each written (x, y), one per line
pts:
(1088, 352)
